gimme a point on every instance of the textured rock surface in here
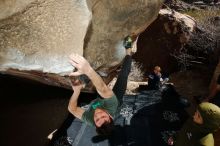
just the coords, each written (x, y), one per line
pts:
(36, 37)
(10, 7)
(41, 36)
(180, 6)
(164, 38)
(111, 22)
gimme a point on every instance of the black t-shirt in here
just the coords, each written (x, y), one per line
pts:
(153, 81)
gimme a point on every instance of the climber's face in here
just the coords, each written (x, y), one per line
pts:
(101, 116)
(157, 70)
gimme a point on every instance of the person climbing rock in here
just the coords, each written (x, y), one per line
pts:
(102, 110)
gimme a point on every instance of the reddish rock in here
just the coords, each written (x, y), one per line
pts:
(163, 38)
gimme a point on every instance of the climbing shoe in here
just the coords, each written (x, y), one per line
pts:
(127, 43)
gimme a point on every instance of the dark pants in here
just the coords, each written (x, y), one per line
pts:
(121, 83)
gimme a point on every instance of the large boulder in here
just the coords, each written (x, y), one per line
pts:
(37, 36)
(163, 41)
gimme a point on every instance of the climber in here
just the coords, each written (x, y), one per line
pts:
(102, 110)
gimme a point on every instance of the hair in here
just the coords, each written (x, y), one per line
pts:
(106, 129)
(157, 68)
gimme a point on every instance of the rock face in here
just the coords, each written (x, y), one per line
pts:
(163, 40)
(37, 36)
(10, 7)
(111, 22)
(180, 6)
(41, 36)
